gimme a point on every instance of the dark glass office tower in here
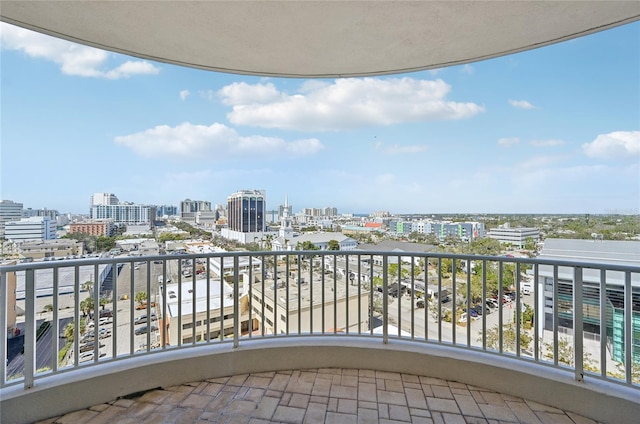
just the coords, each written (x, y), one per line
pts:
(246, 209)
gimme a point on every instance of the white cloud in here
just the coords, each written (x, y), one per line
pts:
(467, 69)
(521, 104)
(395, 149)
(546, 143)
(73, 59)
(184, 94)
(618, 144)
(344, 104)
(214, 142)
(241, 93)
(508, 142)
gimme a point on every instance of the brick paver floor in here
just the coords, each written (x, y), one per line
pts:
(329, 396)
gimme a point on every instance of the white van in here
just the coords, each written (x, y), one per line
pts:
(526, 287)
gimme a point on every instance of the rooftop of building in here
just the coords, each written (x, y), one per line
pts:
(184, 292)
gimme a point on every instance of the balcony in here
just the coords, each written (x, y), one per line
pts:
(418, 318)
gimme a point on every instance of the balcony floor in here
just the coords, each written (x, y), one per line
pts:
(327, 395)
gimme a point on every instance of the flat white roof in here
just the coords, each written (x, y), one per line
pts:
(184, 292)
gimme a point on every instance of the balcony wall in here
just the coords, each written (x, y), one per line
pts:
(410, 339)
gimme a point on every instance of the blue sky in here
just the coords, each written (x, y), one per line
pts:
(552, 130)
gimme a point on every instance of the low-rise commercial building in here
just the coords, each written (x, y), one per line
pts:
(516, 237)
(59, 248)
(104, 228)
(310, 307)
(201, 312)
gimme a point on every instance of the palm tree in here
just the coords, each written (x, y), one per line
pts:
(87, 286)
(86, 306)
(267, 239)
(68, 332)
(103, 302)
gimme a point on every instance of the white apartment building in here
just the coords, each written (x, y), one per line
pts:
(130, 214)
(30, 229)
(515, 236)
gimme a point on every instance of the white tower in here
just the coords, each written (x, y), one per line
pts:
(286, 230)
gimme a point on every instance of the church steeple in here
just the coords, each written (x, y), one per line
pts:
(286, 230)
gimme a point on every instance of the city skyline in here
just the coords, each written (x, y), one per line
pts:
(552, 130)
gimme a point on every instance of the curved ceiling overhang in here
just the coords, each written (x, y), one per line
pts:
(318, 38)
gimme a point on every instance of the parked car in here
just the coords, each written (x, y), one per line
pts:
(144, 329)
(142, 306)
(85, 356)
(103, 313)
(472, 312)
(481, 310)
(86, 347)
(464, 317)
(105, 320)
(420, 304)
(492, 303)
(142, 319)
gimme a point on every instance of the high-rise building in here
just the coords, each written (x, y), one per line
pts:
(167, 210)
(189, 209)
(9, 211)
(104, 199)
(330, 211)
(247, 210)
(51, 213)
(125, 213)
(246, 214)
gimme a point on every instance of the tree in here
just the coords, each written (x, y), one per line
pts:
(87, 286)
(333, 245)
(432, 239)
(566, 354)
(306, 245)
(484, 246)
(48, 307)
(86, 306)
(68, 332)
(104, 244)
(267, 241)
(103, 302)
(508, 338)
(141, 297)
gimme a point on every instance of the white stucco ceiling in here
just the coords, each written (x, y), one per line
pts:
(318, 38)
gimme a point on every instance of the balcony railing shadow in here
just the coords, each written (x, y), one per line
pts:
(552, 331)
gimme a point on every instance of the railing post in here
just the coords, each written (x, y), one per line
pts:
(3, 325)
(628, 328)
(385, 300)
(236, 303)
(578, 325)
(29, 329)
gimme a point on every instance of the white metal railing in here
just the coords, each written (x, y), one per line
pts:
(587, 321)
